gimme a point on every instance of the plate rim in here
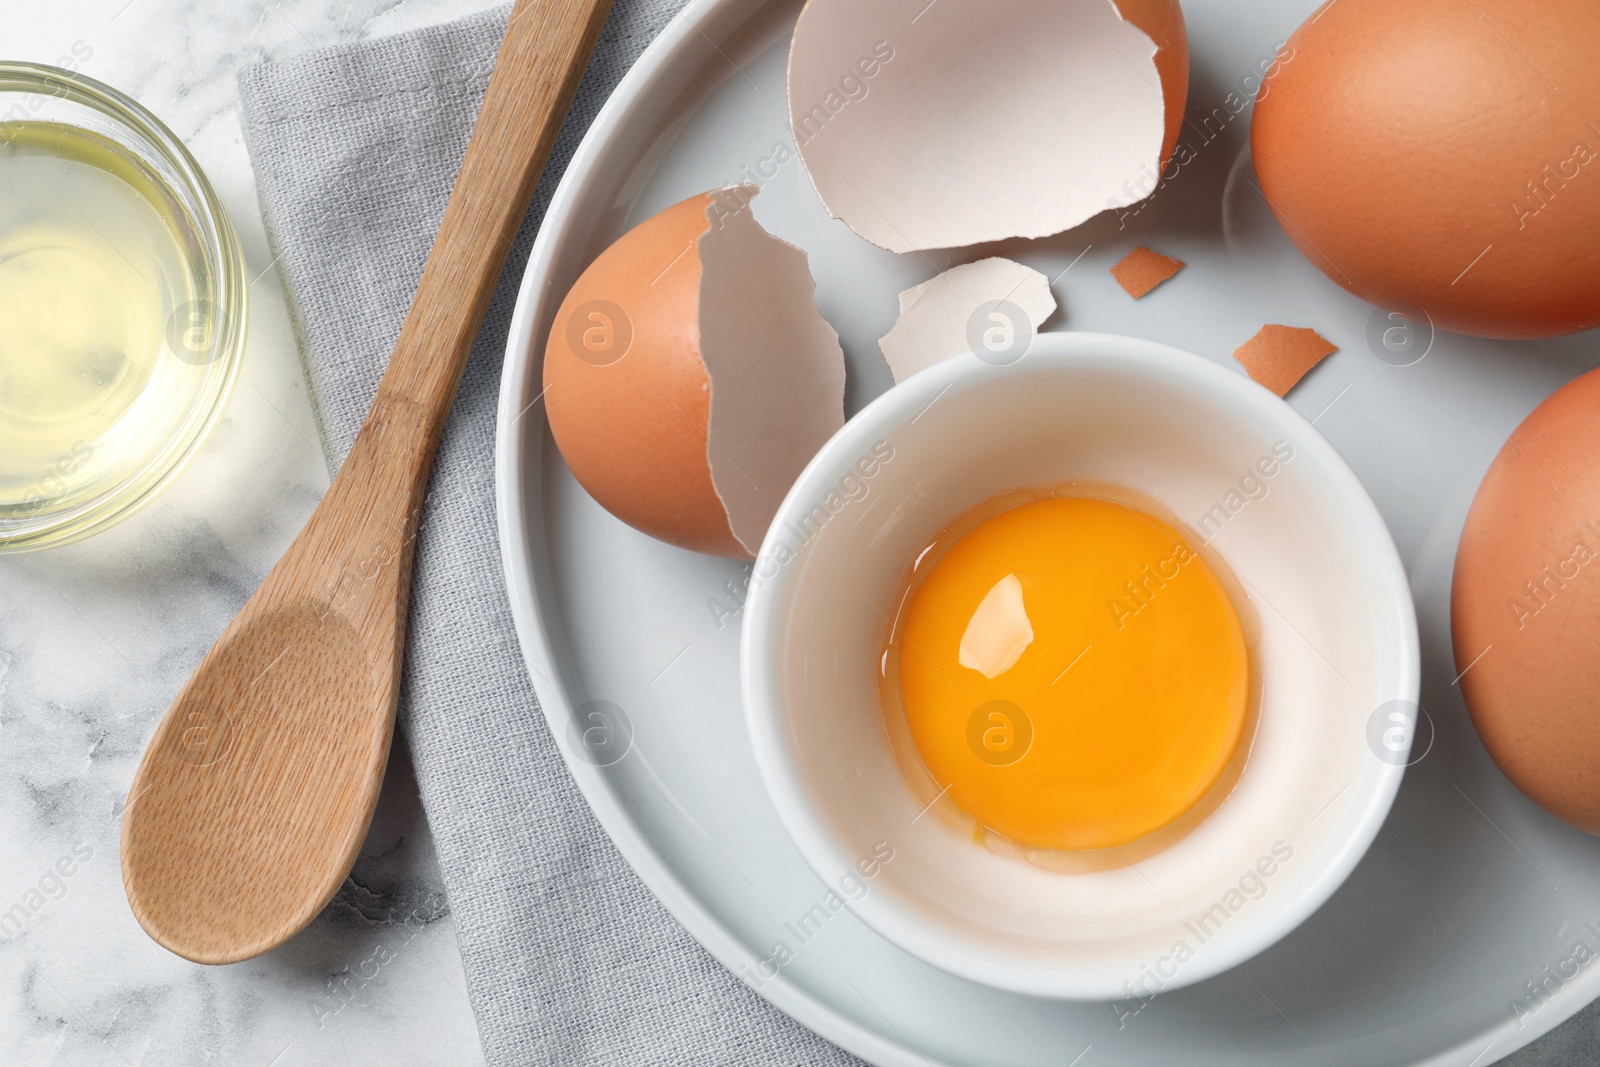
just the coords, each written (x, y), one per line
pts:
(660, 58)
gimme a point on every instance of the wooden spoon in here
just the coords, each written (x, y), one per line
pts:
(256, 791)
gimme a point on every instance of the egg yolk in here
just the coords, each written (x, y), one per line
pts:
(1074, 673)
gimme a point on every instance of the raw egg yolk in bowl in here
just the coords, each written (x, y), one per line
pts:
(1073, 673)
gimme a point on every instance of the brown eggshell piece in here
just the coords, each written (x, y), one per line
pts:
(1142, 270)
(608, 367)
(1443, 154)
(1279, 356)
(1525, 605)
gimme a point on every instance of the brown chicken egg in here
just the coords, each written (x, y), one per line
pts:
(1525, 605)
(689, 375)
(1443, 155)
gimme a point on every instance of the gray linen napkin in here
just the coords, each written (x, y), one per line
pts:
(569, 959)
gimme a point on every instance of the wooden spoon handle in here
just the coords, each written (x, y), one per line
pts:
(367, 521)
(540, 65)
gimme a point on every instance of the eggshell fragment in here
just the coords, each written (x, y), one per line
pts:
(689, 376)
(949, 124)
(1525, 605)
(1142, 270)
(1279, 356)
(957, 312)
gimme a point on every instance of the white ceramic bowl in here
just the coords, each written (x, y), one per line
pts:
(1337, 656)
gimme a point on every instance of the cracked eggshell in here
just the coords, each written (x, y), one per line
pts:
(1162, 22)
(689, 375)
(951, 124)
(951, 313)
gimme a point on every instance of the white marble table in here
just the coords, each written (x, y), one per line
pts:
(96, 638)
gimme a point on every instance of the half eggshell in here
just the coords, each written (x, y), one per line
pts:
(950, 124)
(689, 375)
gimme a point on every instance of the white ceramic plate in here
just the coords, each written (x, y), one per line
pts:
(1466, 930)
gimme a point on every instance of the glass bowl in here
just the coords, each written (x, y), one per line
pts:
(142, 440)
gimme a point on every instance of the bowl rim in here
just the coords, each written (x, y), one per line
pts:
(231, 312)
(763, 630)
